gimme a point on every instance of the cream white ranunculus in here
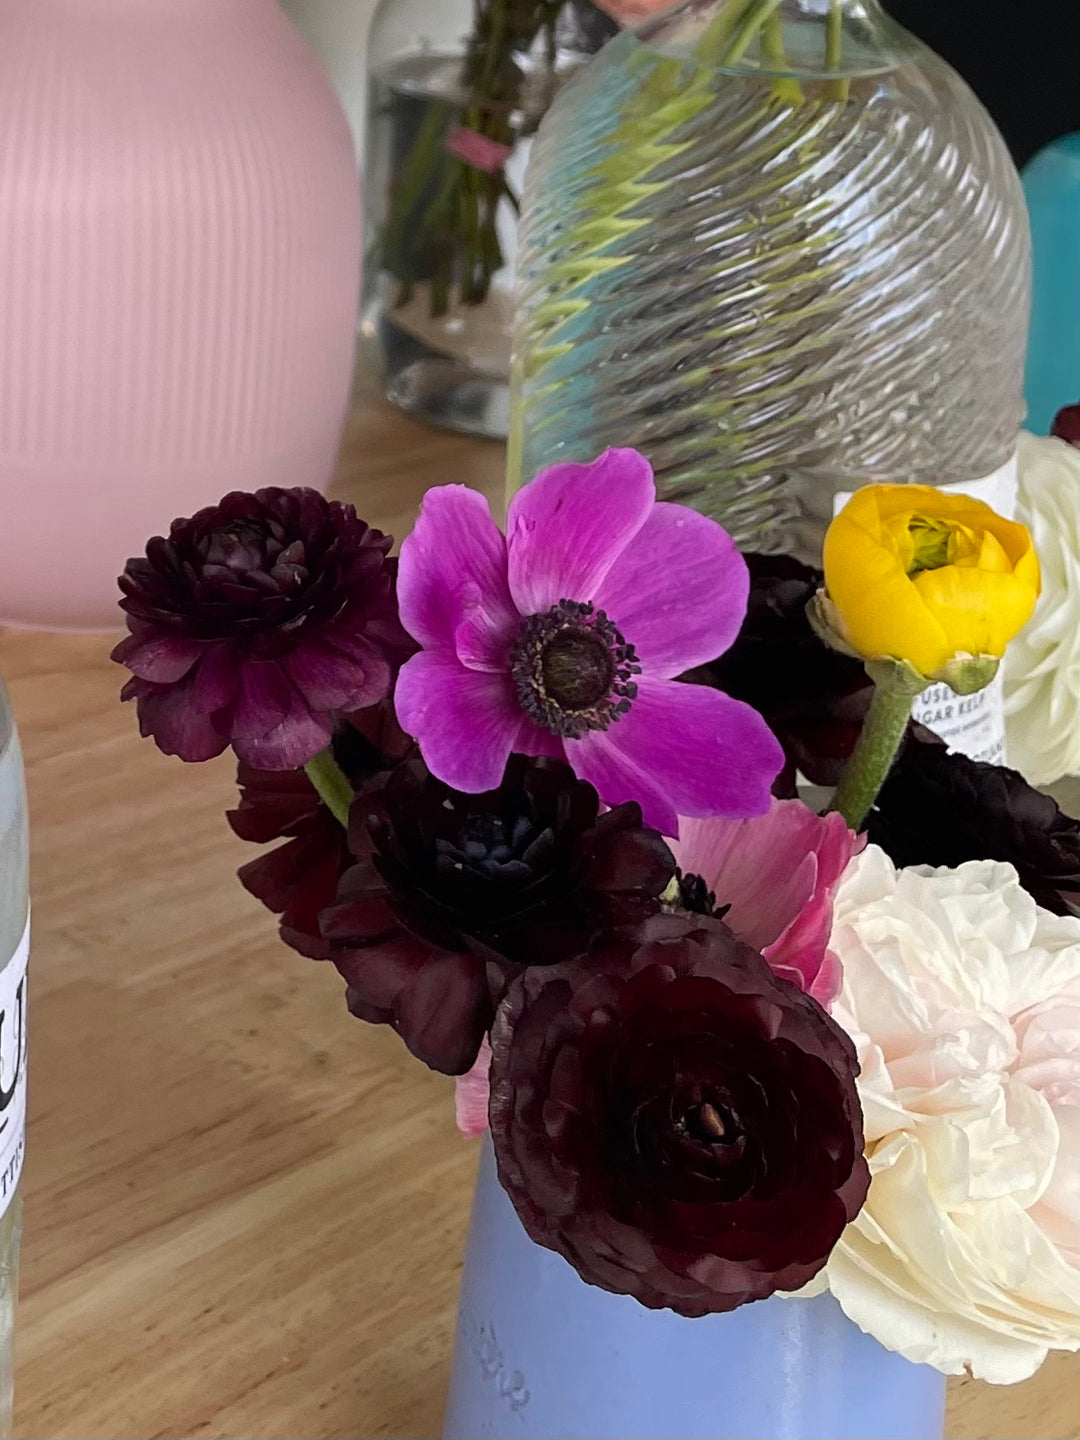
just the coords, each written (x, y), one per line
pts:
(963, 998)
(1042, 665)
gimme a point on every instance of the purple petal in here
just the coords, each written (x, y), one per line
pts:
(682, 750)
(616, 778)
(482, 642)
(330, 678)
(678, 591)
(158, 656)
(272, 727)
(265, 699)
(452, 566)
(533, 739)
(298, 739)
(566, 529)
(465, 721)
(191, 718)
(176, 726)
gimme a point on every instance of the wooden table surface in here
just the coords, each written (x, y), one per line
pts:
(244, 1209)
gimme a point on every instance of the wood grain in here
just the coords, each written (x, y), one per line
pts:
(244, 1210)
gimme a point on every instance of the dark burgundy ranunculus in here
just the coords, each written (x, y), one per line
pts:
(258, 623)
(676, 1120)
(299, 879)
(813, 698)
(939, 808)
(455, 891)
(1066, 424)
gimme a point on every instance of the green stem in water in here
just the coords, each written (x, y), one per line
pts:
(332, 783)
(871, 761)
(748, 30)
(834, 50)
(785, 88)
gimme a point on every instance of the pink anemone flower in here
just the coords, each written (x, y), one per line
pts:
(777, 873)
(565, 637)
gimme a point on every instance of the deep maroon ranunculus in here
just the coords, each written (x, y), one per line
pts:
(299, 879)
(457, 891)
(939, 808)
(676, 1120)
(1066, 424)
(813, 698)
(258, 623)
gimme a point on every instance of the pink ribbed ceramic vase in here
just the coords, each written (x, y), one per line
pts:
(179, 271)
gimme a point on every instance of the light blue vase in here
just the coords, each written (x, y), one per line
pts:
(539, 1354)
(1052, 189)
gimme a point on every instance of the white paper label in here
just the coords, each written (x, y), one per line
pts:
(972, 724)
(13, 1070)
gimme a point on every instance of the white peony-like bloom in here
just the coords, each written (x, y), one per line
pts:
(1042, 665)
(963, 999)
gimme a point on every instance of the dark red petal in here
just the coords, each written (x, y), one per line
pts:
(436, 1000)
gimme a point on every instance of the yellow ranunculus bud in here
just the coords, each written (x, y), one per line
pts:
(918, 575)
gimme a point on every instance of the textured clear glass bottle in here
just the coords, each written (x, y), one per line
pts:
(14, 919)
(779, 246)
(456, 92)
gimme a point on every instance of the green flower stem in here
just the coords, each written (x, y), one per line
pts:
(785, 87)
(881, 737)
(714, 43)
(332, 784)
(749, 30)
(834, 50)
(735, 29)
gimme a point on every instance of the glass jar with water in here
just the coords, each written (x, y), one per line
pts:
(456, 92)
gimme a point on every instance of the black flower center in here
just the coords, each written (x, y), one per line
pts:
(708, 1124)
(254, 554)
(695, 895)
(573, 669)
(488, 849)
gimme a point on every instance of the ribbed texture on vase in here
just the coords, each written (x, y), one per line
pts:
(179, 220)
(774, 302)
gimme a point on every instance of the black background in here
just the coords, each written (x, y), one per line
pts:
(1021, 57)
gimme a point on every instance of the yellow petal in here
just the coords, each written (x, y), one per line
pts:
(979, 610)
(879, 608)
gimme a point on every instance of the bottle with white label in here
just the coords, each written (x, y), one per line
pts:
(780, 247)
(14, 950)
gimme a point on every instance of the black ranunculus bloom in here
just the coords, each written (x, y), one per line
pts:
(1066, 424)
(940, 808)
(258, 623)
(813, 698)
(676, 1120)
(299, 879)
(456, 890)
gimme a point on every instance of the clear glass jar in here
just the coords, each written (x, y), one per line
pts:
(14, 944)
(456, 92)
(779, 246)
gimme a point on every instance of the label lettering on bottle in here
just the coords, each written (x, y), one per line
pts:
(13, 1070)
(972, 724)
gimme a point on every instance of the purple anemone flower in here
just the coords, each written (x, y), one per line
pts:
(564, 638)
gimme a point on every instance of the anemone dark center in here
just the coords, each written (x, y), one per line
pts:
(577, 669)
(573, 669)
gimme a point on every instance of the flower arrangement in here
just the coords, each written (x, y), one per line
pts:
(442, 228)
(536, 800)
